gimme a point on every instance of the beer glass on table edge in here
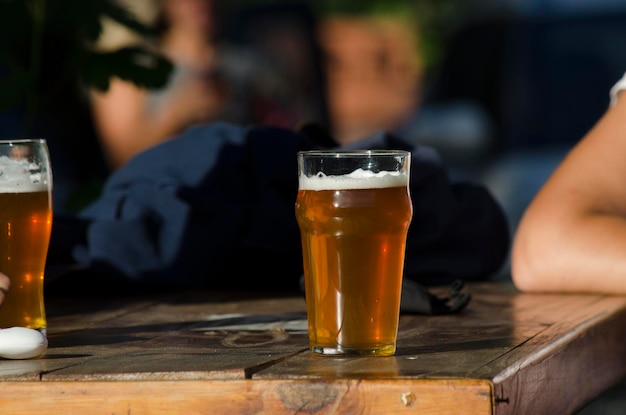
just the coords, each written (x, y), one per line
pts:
(353, 209)
(25, 226)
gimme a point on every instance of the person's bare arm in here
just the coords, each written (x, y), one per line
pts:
(5, 284)
(572, 237)
(127, 125)
(123, 126)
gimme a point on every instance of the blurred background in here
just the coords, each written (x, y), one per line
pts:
(502, 88)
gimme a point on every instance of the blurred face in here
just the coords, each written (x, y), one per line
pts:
(194, 15)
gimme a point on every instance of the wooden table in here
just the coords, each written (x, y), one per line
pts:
(213, 353)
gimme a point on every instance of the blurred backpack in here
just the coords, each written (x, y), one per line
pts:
(214, 208)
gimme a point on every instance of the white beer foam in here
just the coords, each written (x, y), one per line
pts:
(358, 179)
(16, 177)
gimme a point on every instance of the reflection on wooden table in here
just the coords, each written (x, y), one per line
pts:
(507, 353)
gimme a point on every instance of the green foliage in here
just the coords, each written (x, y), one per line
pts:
(45, 51)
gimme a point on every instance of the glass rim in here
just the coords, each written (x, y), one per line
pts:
(354, 153)
(21, 140)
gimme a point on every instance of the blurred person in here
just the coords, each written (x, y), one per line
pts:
(374, 70)
(572, 237)
(211, 81)
(130, 119)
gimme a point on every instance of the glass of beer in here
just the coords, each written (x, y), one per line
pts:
(25, 225)
(353, 209)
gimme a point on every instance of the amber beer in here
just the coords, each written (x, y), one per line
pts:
(25, 225)
(353, 230)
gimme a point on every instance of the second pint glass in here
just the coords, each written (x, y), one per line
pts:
(25, 225)
(353, 209)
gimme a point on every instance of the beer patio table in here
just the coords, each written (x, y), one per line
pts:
(235, 353)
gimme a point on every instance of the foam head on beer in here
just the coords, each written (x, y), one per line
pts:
(16, 176)
(358, 179)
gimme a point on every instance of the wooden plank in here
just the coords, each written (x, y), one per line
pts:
(26, 370)
(152, 352)
(95, 315)
(66, 314)
(549, 321)
(562, 373)
(184, 335)
(541, 350)
(419, 366)
(278, 397)
(146, 363)
(507, 352)
(448, 346)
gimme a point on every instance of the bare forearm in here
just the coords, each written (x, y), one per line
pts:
(126, 126)
(587, 254)
(128, 123)
(121, 146)
(573, 235)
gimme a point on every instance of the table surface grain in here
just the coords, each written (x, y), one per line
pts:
(247, 353)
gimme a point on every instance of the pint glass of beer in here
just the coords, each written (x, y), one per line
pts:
(353, 209)
(25, 225)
